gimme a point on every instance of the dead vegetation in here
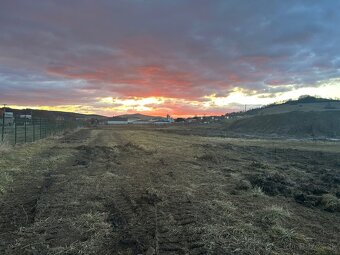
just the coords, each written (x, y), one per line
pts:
(140, 191)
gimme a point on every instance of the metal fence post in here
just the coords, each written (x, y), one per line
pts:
(25, 131)
(40, 127)
(33, 126)
(3, 126)
(15, 131)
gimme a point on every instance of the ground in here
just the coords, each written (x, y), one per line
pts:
(144, 190)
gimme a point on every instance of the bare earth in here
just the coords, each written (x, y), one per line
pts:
(130, 190)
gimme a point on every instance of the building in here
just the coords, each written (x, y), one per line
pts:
(118, 121)
(6, 117)
(26, 116)
(162, 122)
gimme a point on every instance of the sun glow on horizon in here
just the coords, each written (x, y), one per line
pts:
(180, 107)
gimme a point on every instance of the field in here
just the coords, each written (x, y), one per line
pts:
(147, 190)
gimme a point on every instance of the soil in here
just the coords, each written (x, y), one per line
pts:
(141, 191)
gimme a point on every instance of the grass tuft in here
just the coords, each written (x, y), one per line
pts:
(330, 203)
(5, 147)
(273, 215)
(257, 192)
(286, 237)
(324, 251)
(209, 157)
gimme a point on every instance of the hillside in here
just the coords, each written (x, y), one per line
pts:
(53, 114)
(138, 116)
(310, 124)
(305, 117)
(304, 104)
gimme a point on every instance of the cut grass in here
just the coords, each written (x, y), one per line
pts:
(26, 158)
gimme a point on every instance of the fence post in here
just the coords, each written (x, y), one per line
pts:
(33, 126)
(3, 126)
(25, 131)
(15, 131)
(40, 127)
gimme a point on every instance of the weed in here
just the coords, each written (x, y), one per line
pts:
(330, 203)
(273, 215)
(5, 147)
(243, 185)
(324, 251)
(257, 192)
(209, 157)
(5, 179)
(272, 183)
(286, 237)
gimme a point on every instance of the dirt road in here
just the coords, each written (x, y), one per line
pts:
(141, 191)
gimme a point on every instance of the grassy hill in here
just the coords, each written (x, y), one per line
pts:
(53, 114)
(138, 116)
(305, 117)
(310, 124)
(304, 104)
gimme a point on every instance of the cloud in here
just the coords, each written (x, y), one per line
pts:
(62, 52)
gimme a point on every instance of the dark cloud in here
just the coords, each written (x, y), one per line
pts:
(75, 51)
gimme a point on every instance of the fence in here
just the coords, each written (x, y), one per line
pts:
(30, 130)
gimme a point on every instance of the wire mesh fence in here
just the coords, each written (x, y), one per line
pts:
(30, 130)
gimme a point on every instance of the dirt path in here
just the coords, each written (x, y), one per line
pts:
(127, 191)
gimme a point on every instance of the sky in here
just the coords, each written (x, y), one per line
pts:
(158, 57)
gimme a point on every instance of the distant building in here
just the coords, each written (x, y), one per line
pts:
(60, 118)
(26, 116)
(118, 121)
(163, 121)
(8, 117)
(140, 122)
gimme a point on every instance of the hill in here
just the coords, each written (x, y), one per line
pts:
(52, 114)
(305, 117)
(305, 104)
(307, 124)
(138, 116)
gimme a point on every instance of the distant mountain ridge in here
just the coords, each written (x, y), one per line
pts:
(139, 116)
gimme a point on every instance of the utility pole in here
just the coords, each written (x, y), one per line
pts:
(3, 123)
(245, 108)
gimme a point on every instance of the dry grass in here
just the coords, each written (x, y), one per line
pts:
(5, 147)
(273, 215)
(209, 157)
(325, 251)
(331, 203)
(287, 238)
(257, 192)
(197, 192)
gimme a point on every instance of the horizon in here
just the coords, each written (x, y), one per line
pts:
(175, 116)
(182, 58)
